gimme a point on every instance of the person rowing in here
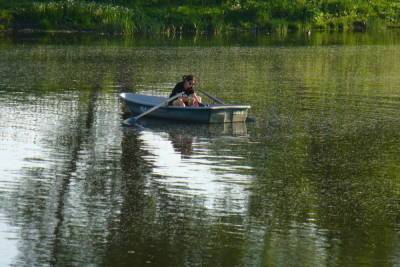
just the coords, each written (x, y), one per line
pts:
(189, 97)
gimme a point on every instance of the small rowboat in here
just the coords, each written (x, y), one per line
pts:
(215, 113)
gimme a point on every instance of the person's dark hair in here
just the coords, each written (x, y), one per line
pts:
(188, 77)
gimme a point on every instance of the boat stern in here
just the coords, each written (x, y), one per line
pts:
(232, 114)
(122, 95)
(124, 107)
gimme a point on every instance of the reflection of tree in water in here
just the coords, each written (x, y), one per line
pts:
(147, 231)
(52, 219)
(160, 228)
(331, 195)
(81, 134)
(40, 204)
(354, 176)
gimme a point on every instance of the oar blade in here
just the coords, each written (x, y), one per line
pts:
(131, 121)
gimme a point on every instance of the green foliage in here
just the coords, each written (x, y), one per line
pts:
(76, 15)
(129, 16)
(5, 19)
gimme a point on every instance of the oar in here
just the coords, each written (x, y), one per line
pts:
(219, 101)
(157, 107)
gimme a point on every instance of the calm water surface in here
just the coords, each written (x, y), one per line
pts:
(315, 181)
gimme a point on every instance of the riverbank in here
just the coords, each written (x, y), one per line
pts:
(128, 19)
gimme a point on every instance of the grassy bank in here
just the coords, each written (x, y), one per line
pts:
(212, 16)
(70, 15)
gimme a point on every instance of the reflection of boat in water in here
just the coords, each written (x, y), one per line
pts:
(182, 134)
(203, 162)
(216, 113)
(237, 129)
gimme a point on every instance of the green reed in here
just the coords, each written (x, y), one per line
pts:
(213, 16)
(76, 15)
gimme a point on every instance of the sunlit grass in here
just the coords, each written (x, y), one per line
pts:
(76, 15)
(127, 17)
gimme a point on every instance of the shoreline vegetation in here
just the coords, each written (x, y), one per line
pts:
(128, 17)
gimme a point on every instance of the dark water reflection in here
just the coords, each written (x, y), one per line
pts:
(314, 182)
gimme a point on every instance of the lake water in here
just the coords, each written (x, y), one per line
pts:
(315, 181)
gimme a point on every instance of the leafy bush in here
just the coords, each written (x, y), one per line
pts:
(76, 15)
(128, 16)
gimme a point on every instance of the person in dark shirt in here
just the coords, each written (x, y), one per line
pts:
(189, 98)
